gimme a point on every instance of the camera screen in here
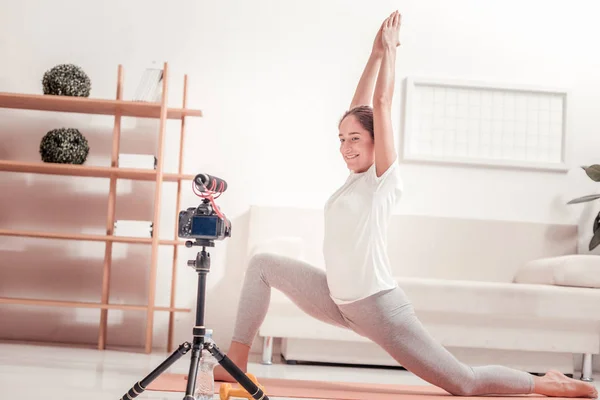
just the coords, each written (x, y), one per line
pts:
(204, 226)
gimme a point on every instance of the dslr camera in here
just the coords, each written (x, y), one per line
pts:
(204, 222)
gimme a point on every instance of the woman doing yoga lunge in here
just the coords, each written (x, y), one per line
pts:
(357, 291)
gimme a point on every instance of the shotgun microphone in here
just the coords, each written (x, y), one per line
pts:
(211, 183)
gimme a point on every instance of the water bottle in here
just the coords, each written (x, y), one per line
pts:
(205, 380)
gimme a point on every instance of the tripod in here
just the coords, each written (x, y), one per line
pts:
(202, 266)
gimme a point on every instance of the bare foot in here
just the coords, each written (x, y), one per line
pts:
(223, 376)
(238, 353)
(556, 384)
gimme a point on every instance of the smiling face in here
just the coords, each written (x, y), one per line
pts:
(356, 144)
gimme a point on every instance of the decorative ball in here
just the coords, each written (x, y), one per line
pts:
(64, 146)
(66, 80)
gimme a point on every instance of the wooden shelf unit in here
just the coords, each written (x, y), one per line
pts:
(117, 108)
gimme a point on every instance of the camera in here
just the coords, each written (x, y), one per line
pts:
(206, 222)
(203, 222)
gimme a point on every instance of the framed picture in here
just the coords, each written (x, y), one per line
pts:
(478, 123)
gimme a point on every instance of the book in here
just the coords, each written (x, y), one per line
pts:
(150, 86)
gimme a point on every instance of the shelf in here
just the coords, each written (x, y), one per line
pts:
(78, 304)
(85, 237)
(86, 105)
(117, 108)
(89, 171)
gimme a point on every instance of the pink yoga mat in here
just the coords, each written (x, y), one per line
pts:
(303, 389)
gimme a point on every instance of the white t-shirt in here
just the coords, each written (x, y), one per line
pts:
(355, 241)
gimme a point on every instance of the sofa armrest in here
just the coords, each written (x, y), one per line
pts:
(287, 246)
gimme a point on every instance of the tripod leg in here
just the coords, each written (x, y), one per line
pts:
(237, 373)
(193, 372)
(140, 386)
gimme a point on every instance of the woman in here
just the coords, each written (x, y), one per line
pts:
(357, 290)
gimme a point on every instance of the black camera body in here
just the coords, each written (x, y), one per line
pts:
(203, 222)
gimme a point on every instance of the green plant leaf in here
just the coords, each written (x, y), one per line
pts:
(595, 240)
(584, 199)
(596, 223)
(593, 171)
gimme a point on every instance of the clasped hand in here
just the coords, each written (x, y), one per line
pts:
(388, 36)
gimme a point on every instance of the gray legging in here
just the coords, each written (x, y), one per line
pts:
(386, 318)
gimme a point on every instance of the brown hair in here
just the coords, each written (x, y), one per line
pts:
(364, 115)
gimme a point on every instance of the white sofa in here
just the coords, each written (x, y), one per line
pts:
(460, 276)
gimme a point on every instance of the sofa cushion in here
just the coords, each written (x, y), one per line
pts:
(473, 314)
(482, 299)
(577, 270)
(500, 299)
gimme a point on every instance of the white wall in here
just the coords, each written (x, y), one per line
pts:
(273, 78)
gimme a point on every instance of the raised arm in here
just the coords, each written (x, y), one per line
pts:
(385, 150)
(363, 96)
(364, 91)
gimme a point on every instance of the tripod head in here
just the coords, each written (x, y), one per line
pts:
(202, 261)
(200, 242)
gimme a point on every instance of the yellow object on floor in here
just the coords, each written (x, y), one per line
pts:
(226, 390)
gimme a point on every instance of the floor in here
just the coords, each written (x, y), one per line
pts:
(29, 372)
